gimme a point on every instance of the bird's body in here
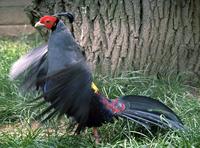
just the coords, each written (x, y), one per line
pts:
(62, 52)
(66, 80)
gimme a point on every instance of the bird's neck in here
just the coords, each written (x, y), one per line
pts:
(55, 25)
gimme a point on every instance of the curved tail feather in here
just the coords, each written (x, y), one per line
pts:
(147, 111)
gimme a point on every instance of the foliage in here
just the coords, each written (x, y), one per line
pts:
(18, 129)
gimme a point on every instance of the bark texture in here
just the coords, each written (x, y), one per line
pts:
(159, 36)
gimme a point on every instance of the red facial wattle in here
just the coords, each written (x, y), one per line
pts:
(48, 21)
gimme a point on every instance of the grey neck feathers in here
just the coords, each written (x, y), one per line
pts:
(59, 26)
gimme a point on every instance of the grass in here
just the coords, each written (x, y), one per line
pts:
(17, 130)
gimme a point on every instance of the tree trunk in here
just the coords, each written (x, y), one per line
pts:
(158, 36)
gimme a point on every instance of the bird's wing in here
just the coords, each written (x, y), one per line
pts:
(31, 66)
(69, 92)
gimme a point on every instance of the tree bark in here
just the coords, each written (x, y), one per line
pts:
(158, 36)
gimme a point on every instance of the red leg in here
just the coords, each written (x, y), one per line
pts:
(96, 135)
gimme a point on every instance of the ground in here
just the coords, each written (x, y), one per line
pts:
(19, 129)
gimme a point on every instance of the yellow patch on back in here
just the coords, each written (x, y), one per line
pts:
(94, 87)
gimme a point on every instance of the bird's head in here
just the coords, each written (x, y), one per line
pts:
(47, 21)
(50, 22)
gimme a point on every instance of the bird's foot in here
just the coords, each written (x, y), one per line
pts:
(96, 135)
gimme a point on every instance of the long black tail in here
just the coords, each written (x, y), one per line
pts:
(147, 112)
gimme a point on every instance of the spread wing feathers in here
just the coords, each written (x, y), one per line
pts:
(147, 111)
(68, 92)
(30, 66)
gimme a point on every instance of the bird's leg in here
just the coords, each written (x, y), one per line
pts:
(96, 135)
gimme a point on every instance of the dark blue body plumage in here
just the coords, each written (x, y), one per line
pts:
(63, 50)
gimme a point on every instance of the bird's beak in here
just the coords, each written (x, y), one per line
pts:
(38, 24)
